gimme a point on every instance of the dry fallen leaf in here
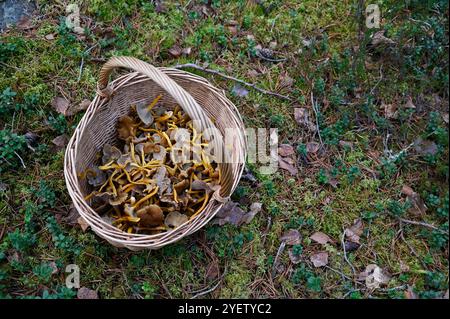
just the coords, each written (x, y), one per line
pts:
(50, 37)
(286, 164)
(378, 38)
(86, 293)
(390, 111)
(319, 259)
(445, 117)
(409, 103)
(61, 105)
(301, 116)
(285, 150)
(418, 206)
(83, 224)
(425, 147)
(291, 237)
(321, 238)
(60, 142)
(312, 147)
(175, 51)
(355, 231)
(374, 276)
(293, 257)
(255, 208)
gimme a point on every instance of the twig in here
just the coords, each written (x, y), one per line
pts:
(21, 160)
(379, 80)
(345, 253)
(275, 262)
(317, 118)
(228, 77)
(207, 291)
(413, 222)
(10, 66)
(82, 60)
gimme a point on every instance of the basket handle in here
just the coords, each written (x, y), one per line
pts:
(182, 97)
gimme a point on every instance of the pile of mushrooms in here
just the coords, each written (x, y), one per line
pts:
(144, 185)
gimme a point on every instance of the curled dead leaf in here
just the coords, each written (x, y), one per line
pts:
(321, 238)
(319, 259)
(291, 237)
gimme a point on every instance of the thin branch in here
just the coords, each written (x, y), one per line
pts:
(21, 160)
(317, 118)
(207, 291)
(413, 222)
(279, 252)
(228, 77)
(345, 253)
(82, 60)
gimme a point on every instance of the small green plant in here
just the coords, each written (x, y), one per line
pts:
(11, 146)
(7, 104)
(43, 272)
(149, 290)
(58, 123)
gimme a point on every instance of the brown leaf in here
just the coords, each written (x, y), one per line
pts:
(379, 39)
(284, 164)
(321, 238)
(301, 116)
(86, 293)
(61, 105)
(186, 51)
(54, 267)
(445, 117)
(390, 111)
(408, 191)
(409, 103)
(293, 257)
(50, 36)
(71, 218)
(255, 208)
(374, 276)
(312, 147)
(291, 237)
(285, 150)
(425, 147)
(25, 23)
(175, 51)
(252, 73)
(83, 224)
(319, 259)
(229, 213)
(355, 231)
(60, 141)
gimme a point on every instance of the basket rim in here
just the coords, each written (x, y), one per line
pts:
(93, 219)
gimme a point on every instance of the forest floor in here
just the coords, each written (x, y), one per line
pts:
(361, 210)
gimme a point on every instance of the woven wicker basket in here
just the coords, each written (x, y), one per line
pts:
(198, 98)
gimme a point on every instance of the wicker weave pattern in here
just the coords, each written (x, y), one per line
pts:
(198, 98)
